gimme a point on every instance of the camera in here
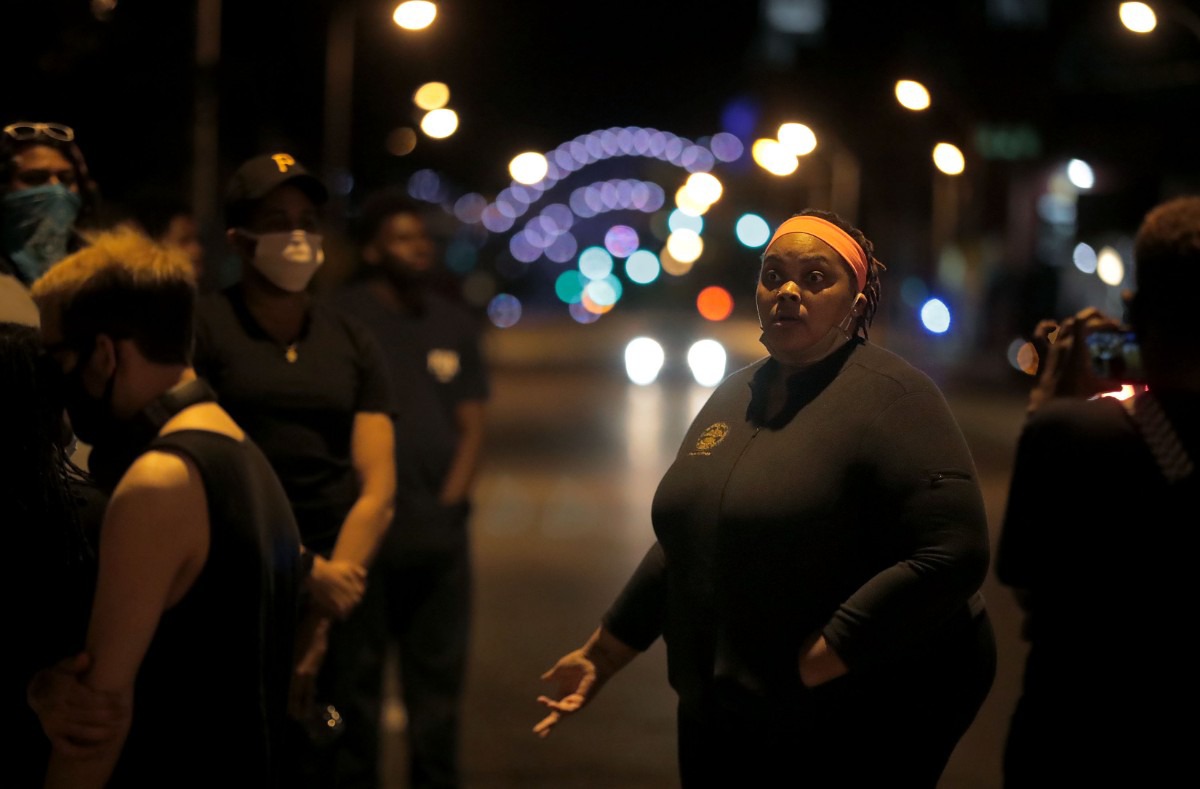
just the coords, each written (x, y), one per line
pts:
(1116, 356)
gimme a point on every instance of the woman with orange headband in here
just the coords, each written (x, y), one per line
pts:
(821, 543)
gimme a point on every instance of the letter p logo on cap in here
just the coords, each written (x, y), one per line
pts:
(283, 161)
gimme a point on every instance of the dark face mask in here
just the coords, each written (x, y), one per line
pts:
(114, 444)
(92, 420)
(91, 417)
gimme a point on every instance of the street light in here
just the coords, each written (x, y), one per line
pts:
(1141, 18)
(950, 163)
(1138, 17)
(339, 87)
(912, 95)
(415, 14)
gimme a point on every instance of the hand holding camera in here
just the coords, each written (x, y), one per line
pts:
(1079, 357)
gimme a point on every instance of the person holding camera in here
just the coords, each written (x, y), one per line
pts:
(1101, 509)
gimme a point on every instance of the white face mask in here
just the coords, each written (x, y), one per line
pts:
(288, 260)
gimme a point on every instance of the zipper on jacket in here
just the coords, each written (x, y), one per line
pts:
(938, 477)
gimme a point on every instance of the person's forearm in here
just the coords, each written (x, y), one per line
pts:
(363, 530)
(462, 469)
(469, 421)
(608, 653)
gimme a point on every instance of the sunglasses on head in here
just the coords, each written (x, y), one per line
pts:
(24, 132)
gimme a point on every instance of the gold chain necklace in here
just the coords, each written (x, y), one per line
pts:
(291, 354)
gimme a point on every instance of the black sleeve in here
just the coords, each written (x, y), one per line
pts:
(636, 617)
(933, 516)
(374, 384)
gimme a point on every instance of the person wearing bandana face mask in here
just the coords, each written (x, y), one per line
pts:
(821, 544)
(310, 386)
(45, 196)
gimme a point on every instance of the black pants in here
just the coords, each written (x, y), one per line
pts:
(428, 605)
(893, 727)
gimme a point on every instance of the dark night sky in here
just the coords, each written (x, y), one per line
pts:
(532, 75)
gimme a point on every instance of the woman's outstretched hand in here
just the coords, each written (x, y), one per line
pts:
(575, 678)
(579, 675)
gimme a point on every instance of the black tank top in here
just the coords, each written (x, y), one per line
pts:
(211, 696)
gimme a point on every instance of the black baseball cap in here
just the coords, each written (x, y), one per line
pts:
(256, 177)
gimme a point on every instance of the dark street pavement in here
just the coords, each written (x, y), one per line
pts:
(574, 454)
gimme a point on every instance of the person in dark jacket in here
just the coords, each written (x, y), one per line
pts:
(821, 543)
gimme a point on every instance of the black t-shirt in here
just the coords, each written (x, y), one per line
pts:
(297, 402)
(433, 356)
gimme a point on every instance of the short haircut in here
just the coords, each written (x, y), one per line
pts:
(1166, 252)
(124, 285)
(380, 207)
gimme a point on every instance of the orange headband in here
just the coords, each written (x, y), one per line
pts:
(842, 242)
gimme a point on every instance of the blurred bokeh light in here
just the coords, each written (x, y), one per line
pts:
(621, 241)
(440, 124)
(714, 303)
(685, 246)
(752, 230)
(935, 316)
(1080, 174)
(948, 158)
(1110, 268)
(679, 220)
(432, 96)
(504, 310)
(415, 14)
(912, 95)
(401, 141)
(595, 263)
(1138, 17)
(773, 157)
(642, 267)
(706, 358)
(644, 359)
(1084, 258)
(797, 139)
(528, 168)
